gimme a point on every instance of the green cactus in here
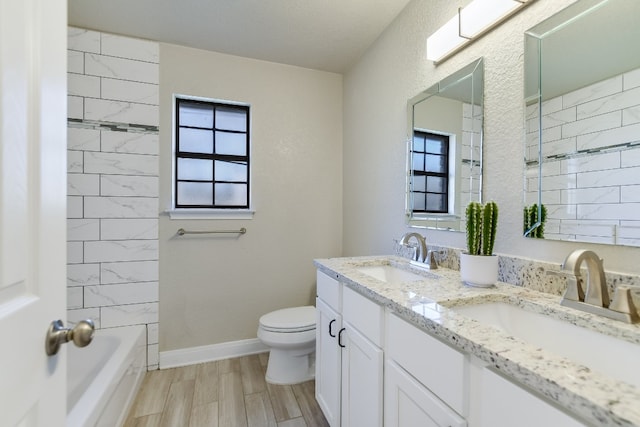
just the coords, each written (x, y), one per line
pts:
(489, 227)
(474, 227)
(482, 222)
(531, 218)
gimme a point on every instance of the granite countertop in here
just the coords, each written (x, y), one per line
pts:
(597, 398)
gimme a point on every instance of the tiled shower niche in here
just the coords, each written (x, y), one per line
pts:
(112, 226)
(591, 162)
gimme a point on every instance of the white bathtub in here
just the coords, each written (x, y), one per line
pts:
(103, 378)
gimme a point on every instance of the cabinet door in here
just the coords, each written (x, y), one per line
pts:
(505, 404)
(407, 403)
(361, 380)
(328, 362)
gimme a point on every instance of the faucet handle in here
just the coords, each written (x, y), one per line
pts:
(430, 259)
(623, 303)
(574, 290)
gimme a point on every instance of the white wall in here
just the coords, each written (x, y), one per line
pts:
(213, 289)
(376, 91)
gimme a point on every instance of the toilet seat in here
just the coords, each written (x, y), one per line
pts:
(296, 319)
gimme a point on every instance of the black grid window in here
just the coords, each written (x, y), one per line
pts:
(430, 172)
(212, 155)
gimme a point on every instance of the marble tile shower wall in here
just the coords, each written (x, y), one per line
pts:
(470, 167)
(112, 237)
(591, 150)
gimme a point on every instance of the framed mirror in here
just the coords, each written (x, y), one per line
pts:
(444, 150)
(582, 146)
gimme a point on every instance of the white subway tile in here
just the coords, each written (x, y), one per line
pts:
(74, 207)
(631, 115)
(592, 162)
(130, 142)
(74, 297)
(586, 228)
(558, 118)
(552, 105)
(75, 107)
(552, 134)
(120, 294)
(126, 229)
(591, 195)
(76, 315)
(132, 48)
(631, 79)
(120, 207)
(152, 355)
(622, 211)
(81, 85)
(122, 185)
(585, 126)
(630, 158)
(551, 167)
(555, 148)
(83, 229)
(124, 90)
(561, 211)
(126, 272)
(132, 314)
(152, 333)
(83, 274)
(75, 61)
(618, 101)
(559, 182)
(550, 197)
(630, 193)
(75, 161)
(619, 135)
(83, 40)
(609, 177)
(120, 112)
(83, 139)
(120, 163)
(629, 232)
(119, 68)
(121, 250)
(604, 240)
(80, 184)
(599, 90)
(75, 253)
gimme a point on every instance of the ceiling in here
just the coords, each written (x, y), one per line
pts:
(327, 35)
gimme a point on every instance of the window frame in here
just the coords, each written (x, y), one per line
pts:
(446, 195)
(212, 211)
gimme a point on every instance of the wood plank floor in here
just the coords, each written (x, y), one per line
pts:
(226, 393)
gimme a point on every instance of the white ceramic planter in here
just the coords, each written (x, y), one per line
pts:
(477, 270)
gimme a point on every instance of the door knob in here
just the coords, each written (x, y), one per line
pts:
(81, 335)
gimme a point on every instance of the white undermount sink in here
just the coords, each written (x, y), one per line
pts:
(389, 273)
(601, 353)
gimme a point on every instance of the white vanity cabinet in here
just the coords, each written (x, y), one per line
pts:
(349, 357)
(506, 404)
(426, 380)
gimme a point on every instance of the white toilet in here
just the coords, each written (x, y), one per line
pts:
(290, 333)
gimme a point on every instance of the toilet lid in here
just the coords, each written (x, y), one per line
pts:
(290, 319)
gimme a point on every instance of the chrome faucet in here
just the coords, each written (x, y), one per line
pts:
(423, 258)
(595, 299)
(421, 250)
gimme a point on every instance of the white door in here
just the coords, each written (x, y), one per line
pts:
(33, 87)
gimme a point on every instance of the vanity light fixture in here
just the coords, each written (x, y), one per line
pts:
(468, 24)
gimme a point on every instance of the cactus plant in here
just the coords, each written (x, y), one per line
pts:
(482, 222)
(531, 218)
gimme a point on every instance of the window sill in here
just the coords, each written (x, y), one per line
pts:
(210, 214)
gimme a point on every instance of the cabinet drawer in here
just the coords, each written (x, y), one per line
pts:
(329, 290)
(363, 314)
(439, 367)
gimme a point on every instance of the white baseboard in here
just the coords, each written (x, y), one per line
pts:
(209, 353)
